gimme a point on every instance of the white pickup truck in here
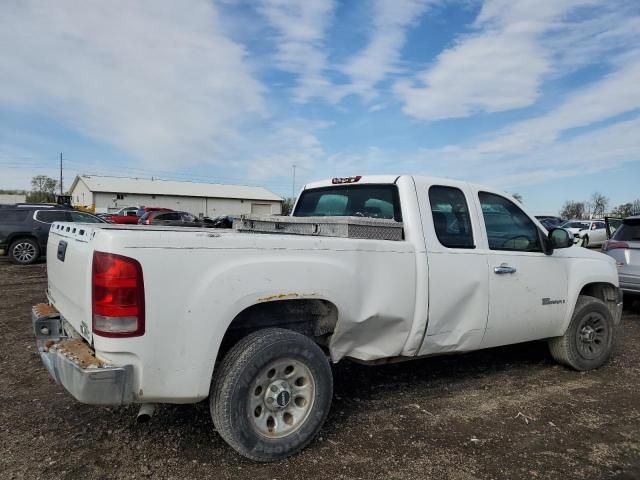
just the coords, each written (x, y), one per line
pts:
(377, 269)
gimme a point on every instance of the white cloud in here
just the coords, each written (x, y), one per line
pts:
(300, 27)
(500, 67)
(381, 56)
(152, 78)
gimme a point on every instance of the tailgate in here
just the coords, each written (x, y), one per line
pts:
(69, 260)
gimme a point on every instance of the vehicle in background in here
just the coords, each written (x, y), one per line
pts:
(377, 269)
(587, 233)
(624, 247)
(24, 231)
(173, 219)
(129, 215)
(223, 221)
(549, 221)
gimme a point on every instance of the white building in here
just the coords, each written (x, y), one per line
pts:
(12, 198)
(108, 194)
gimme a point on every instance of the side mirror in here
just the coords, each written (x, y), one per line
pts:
(560, 238)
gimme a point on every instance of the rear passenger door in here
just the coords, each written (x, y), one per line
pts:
(458, 286)
(527, 288)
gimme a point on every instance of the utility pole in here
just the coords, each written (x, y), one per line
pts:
(293, 183)
(60, 173)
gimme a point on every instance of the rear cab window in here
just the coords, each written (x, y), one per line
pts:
(366, 200)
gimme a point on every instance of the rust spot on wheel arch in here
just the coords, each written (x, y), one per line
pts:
(283, 296)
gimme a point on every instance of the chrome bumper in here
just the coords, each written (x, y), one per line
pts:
(103, 385)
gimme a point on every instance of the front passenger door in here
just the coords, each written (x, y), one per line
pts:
(527, 289)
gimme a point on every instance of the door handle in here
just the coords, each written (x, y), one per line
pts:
(504, 268)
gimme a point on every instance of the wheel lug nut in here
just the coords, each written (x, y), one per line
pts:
(274, 389)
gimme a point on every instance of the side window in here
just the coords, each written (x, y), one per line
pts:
(13, 216)
(451, 217)
(48, 216)
(508, 227)
(168, 216)
(84, 218)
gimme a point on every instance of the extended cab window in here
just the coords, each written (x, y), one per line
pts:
(451, 217)
(48, 216)
(508, 227)
(368, 200)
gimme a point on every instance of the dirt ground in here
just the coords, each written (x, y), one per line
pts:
(504, 413)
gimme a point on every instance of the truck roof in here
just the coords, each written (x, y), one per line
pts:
(384, 179)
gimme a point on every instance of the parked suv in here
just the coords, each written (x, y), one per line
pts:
(24, 231)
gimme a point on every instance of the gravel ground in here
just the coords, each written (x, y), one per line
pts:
(502, 413)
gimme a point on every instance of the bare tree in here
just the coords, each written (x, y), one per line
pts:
(635, 210)
(42, 189)
(598, 204)
(572, 209)
(624, 210)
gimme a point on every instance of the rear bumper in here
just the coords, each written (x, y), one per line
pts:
(629, 282)
(88, 381)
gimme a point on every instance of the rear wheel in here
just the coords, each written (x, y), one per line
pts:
(271, 394)
(588, 341)
(24, 251)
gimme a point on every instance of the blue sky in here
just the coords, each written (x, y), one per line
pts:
(537, 97)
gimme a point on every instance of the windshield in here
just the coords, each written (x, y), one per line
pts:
(375, 201)
(580, 225)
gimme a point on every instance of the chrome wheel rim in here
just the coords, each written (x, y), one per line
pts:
(593, 336)
(281, 398)
(24, 252)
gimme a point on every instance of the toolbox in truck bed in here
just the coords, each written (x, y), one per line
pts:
(345, 227)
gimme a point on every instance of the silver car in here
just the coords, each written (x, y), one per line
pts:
(624, 247)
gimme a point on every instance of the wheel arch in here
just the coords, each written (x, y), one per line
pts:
(605, 291)
(11, 238)
(314, 317)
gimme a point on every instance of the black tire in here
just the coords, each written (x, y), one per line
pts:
(234, 389)
(585, 241)
(24, 251)
(588, 342)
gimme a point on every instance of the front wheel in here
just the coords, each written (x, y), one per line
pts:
(588, 341)
(271, 394)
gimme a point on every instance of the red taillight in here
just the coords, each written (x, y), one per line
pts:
(118, 296)
(611, 244)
